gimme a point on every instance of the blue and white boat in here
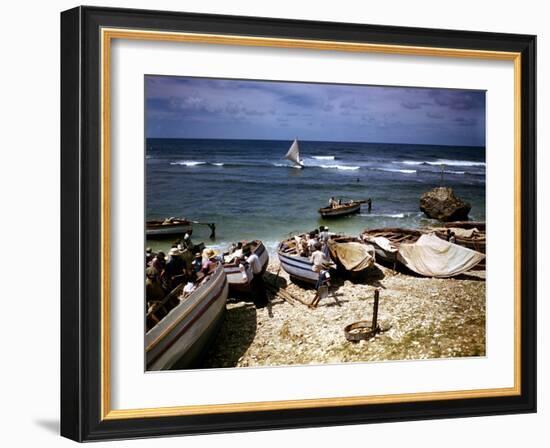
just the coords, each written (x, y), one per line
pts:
(296, 266)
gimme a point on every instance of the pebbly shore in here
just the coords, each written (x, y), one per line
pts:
(420, 318)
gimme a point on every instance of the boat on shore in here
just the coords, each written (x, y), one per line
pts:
(423, 252)
(348, 208)
(180, 330)
(161, 228)
(386, 241)
(297, 267)
(240, 276)
(351, 254)
(469, 234)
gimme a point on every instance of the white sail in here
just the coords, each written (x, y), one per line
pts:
(293, 153)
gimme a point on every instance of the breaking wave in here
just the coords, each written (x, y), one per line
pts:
(391, 170)
(441, 162)
(341, 167)
(324, 157)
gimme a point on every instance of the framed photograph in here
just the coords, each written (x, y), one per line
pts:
(276, 224)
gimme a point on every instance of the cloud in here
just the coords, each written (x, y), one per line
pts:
(461, 121)
(435, 115)
(458, 100)
(414, 104)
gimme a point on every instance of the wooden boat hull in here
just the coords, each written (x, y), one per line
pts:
(159, 230)
(181, 337)
(299, 268)
(336, 212)
(395, 235)
(239, 282)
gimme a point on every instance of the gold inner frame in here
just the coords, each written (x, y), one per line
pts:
(107, 35)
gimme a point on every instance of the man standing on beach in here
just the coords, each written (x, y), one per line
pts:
(257, 284)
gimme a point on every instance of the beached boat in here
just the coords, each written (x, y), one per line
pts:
(293, 155)
(386, 241)
(422, 252)
(432, 256)
(239, 279)
(160, 228)
(296, 266)
(181, 336)
(348, 208)
(351, 254)
(470, 234)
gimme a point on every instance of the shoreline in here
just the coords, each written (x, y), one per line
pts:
(421, 318)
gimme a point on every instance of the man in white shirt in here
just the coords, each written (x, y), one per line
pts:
(258, 286)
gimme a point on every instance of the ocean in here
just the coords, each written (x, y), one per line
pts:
(250, 191)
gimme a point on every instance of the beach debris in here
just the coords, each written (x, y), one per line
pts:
(364, 330)
(441, 203)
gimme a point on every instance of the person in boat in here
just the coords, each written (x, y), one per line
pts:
(324, 234)
(339, 202)
(208, 261)
(452, 238)
(311, 242)
(320, 264)
(369, 205)
(235, 253)
(187, 244)
(149, 255)
(197, 262)
(159, 262)
(153, 286)
(332, 202)
(257, 284)
(175, 270)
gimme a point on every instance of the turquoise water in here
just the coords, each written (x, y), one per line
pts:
(251, 192)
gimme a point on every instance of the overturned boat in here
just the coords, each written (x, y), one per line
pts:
(179, 330)
(160, 228)
(351, 254)
(239, 276)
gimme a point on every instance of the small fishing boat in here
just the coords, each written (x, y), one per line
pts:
(293, 155)
(297, 267)
(348, 208)
(386, 241)
(432, 256)
(351, 254)
(239, 276)
(161, 228)
(422, 252)
(180, 330)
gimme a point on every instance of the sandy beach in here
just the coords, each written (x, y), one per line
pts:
(421, 318)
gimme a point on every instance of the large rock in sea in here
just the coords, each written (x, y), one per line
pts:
(441, 203)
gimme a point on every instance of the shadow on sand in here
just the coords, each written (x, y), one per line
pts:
(235, 336)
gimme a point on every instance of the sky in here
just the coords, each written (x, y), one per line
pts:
(185, 107)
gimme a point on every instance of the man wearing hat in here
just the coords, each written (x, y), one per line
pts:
(257, 284)
(208, 260)
(174, 271)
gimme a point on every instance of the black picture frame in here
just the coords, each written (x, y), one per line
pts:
(81, 208)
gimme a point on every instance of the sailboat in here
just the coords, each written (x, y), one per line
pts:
(293, 155)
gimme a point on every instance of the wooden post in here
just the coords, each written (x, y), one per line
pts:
(375, 311)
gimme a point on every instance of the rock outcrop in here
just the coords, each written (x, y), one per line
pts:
(442, 204)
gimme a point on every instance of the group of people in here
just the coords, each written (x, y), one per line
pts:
(310, 242)
(333, 203)
(183, 264)
(242, 255)
(313, 245)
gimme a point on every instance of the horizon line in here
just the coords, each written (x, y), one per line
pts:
(305, 140)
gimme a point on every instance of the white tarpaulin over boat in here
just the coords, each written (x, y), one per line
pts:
(434, 257)
(353, 256)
